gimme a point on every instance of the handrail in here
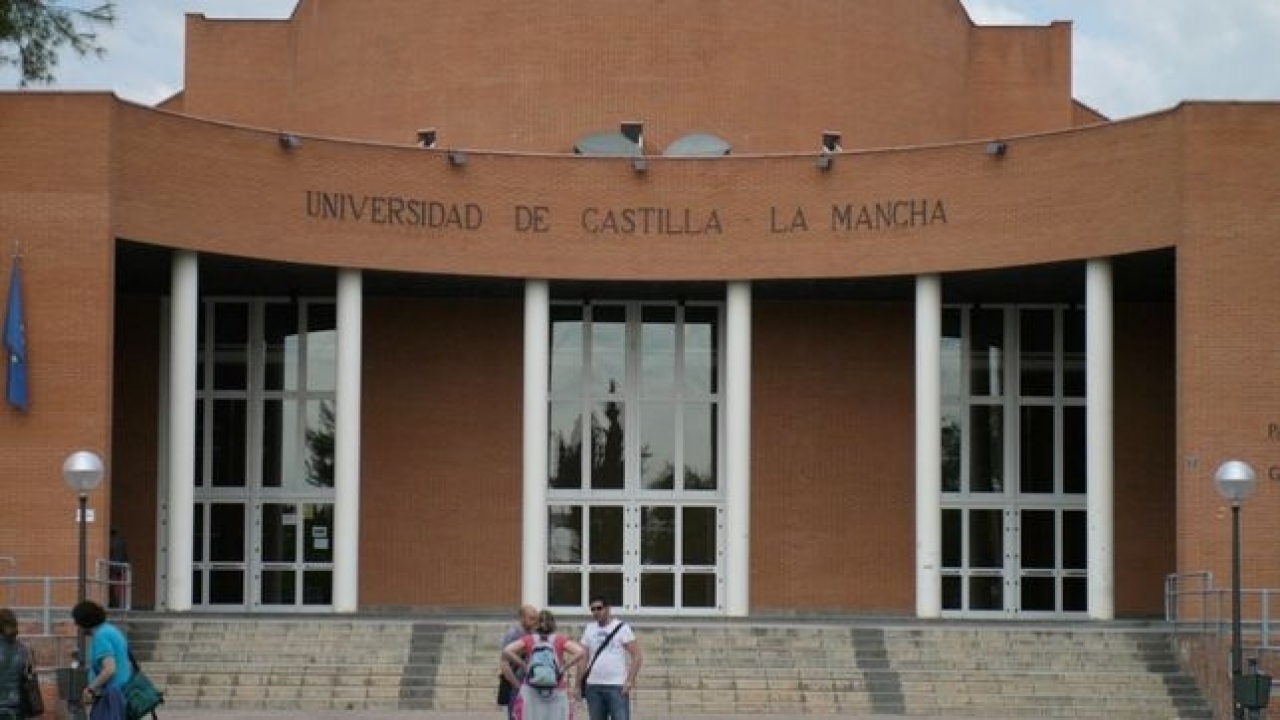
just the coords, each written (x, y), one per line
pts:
(1194, 602)
(47, 600)
(43, 597)
(119, 581)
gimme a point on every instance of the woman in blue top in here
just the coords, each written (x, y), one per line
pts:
(109, 664)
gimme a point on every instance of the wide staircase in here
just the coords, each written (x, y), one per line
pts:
(848, 669)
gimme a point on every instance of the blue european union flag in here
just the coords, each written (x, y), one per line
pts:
(15, 342)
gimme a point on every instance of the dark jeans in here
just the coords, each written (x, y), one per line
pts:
(109, 705)
(606, 702)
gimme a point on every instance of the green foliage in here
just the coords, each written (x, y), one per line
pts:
(33, 32)
(320, 448)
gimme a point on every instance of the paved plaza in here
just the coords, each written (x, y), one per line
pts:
(637, 714)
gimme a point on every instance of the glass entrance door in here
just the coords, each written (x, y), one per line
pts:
(264, 438)
(1013, 449)
(263, 554)
(295, 554)
(635, 508)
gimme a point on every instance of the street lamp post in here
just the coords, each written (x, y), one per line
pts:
(1236, 481)
(82, 472)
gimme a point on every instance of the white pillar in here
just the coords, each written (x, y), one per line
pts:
(184, 316)
(737, 466)
(928, 446)
(1100, 439)
(346, 449)
(537, 349)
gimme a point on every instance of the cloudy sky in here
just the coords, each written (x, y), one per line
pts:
(1131, 56)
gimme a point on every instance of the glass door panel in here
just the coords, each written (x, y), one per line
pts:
(565, 452)
(317, 554)
(608, 360)
(657, 536)
(701, 449)
(219, 561)
(277, 584)
(986, 448)
(229, 429)
(1038, 540)
(699, 590)
(296, 544)
(608, 446)
(986, 549)
(608, 527)
(1039, 434)
(658, 445)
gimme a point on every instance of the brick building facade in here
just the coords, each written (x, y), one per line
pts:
(976, 352)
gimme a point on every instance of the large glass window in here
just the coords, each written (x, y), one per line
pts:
(1013, 460)
(264, 452)
(634, 508)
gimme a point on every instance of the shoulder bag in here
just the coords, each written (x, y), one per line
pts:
(582, 681)
(141, 697)
(32, 698)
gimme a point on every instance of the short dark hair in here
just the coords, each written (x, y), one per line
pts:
(599, 599)
(8, 624)
(88, 614)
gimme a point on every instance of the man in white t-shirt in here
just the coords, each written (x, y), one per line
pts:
(616, 663)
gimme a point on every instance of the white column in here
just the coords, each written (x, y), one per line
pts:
(346, 448)
(1100, 439)
(184, 315)
(537, 349)
(737, 465)
(928, 446)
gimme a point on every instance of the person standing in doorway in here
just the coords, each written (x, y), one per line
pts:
(512, 673)
(612, 665)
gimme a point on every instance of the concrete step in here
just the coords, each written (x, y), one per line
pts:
(744, 668)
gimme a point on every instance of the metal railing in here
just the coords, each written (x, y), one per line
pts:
(48, 599)
(119, 583)
(1194, 603)
(45, 601)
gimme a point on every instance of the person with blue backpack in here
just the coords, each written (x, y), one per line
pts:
(544, 658)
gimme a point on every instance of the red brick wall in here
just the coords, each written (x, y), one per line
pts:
(1228, 357)
(1020, 77)
(55, 210)
(767, 75)
(441, 458)
(833, 459)
(1093, 193)
(1145, 466)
